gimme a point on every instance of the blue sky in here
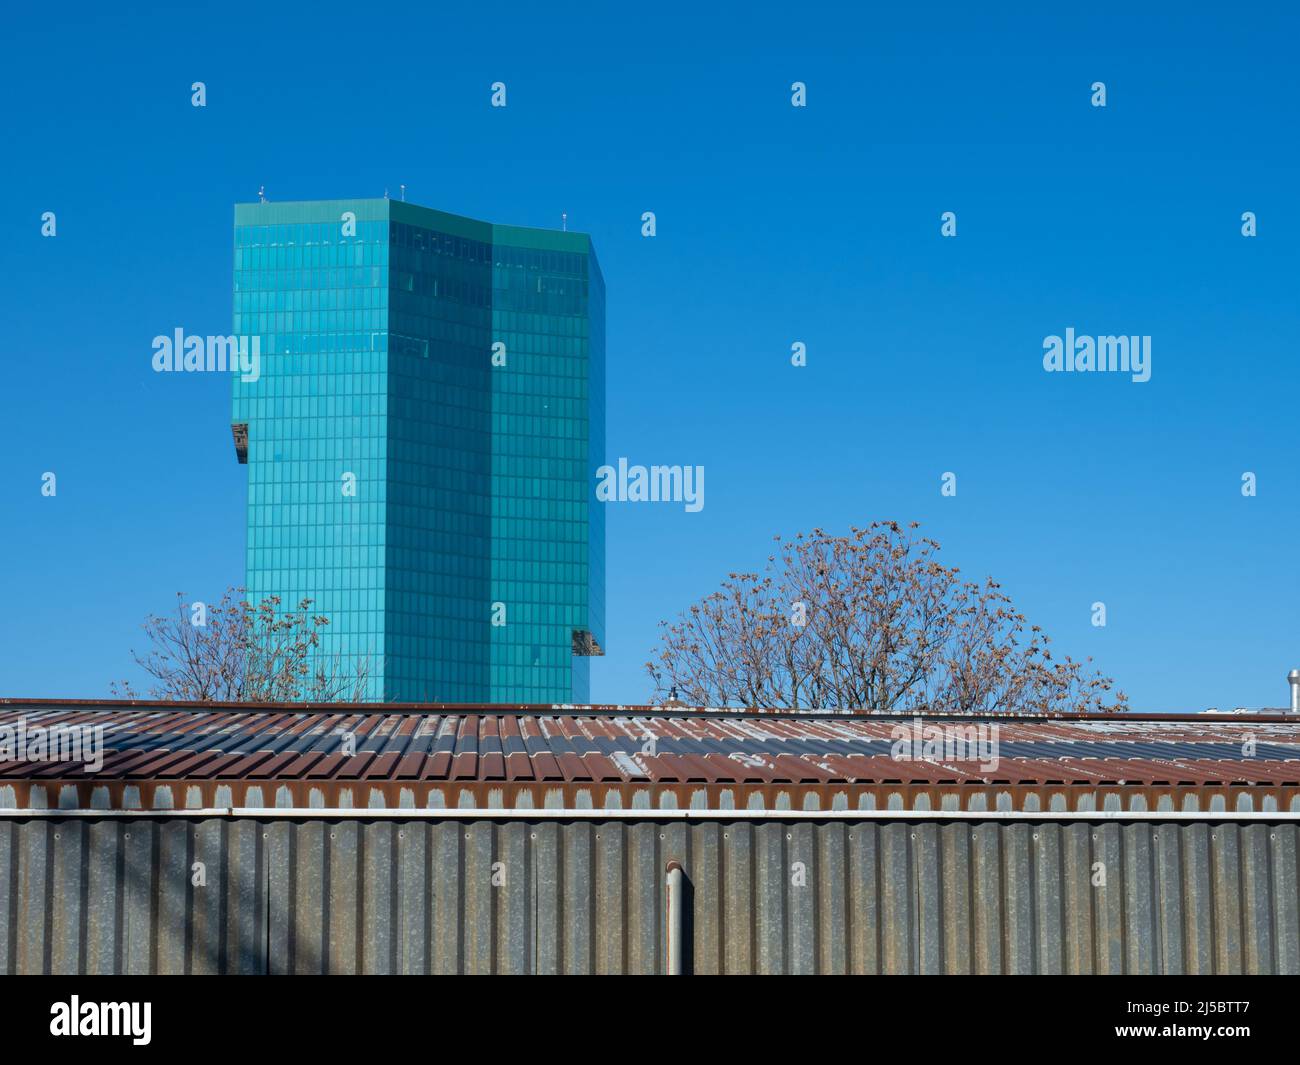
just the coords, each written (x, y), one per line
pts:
(775, 224)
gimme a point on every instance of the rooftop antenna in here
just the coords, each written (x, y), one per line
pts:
(261, 193)
(564, 221)
(385, 192)
(403, 193)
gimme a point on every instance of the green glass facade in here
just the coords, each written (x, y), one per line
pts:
(422, 443)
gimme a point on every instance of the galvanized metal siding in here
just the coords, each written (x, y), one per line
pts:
(422, 895)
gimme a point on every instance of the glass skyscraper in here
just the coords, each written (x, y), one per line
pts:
(422, 443)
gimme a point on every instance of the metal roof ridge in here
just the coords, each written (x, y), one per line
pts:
(627, 710)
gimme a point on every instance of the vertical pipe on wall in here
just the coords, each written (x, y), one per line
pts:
(675, 892)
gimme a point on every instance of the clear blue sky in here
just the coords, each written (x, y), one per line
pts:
(775, 224)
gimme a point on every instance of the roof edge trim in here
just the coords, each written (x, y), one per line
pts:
(317, 813)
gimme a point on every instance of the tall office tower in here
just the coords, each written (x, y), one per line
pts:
(422, 443)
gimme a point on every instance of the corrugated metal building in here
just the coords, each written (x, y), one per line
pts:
(542, 839)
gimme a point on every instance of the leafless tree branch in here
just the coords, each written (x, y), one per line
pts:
(871, 622)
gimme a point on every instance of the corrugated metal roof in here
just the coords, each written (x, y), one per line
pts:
(174, 756)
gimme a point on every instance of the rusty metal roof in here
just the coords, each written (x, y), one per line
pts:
(185, 756)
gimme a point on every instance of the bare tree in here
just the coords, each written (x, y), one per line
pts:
(868, 623)
(238, 652)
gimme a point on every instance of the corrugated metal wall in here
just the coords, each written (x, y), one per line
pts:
(356, 895)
